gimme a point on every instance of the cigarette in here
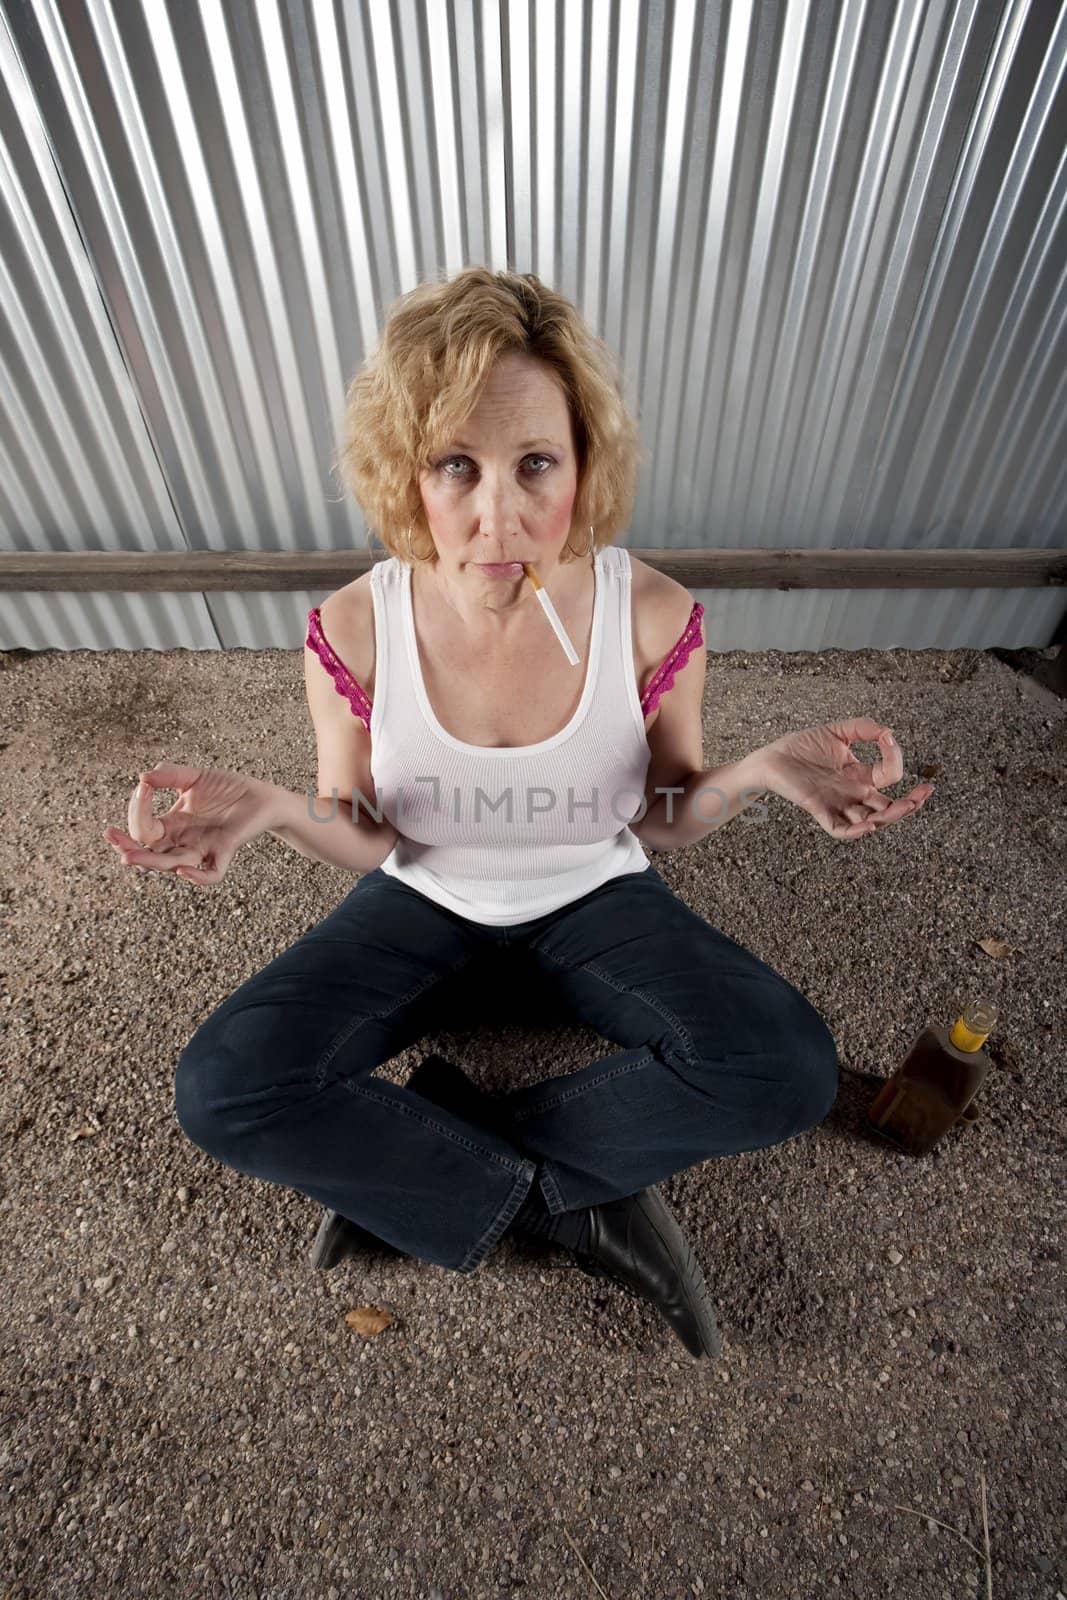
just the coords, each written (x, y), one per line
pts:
(550, 612)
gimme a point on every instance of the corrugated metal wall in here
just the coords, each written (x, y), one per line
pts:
(825, 239)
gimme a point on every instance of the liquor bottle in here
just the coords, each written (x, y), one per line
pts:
(935, 1083)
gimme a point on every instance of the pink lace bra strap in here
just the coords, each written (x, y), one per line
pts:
(349, 687)
(664, 675)
(343, 680)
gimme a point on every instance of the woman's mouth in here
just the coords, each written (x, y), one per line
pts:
(500, 569)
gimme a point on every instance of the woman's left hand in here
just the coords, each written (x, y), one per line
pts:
(816, 769)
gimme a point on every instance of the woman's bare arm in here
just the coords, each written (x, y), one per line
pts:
(324, 829)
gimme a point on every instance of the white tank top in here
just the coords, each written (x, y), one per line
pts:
(502, 835)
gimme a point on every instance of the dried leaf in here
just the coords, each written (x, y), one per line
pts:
(996, 947)
(368, 1320)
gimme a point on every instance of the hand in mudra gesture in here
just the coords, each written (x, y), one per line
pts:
(215, 813)
(816, 769)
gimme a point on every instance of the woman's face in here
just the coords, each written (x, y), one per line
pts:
(503, 489)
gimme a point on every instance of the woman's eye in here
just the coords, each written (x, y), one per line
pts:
(446, 463)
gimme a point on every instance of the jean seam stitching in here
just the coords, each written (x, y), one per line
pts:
(551, 1190)
(518, 1116)
(438, 1127)
(478, 1252)
(641, 994)
(354, 1023)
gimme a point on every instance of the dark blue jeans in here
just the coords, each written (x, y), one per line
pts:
(718, 1054)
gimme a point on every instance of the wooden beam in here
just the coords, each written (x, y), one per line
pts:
(167, 572)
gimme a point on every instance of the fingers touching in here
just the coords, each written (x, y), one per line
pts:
(878, 812)
(144, 843)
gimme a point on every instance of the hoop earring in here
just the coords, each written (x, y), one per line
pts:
(410, 550)
(580, 555)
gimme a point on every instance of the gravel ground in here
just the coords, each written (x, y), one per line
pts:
(187, 1409)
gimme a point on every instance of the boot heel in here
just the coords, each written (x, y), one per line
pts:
(338, 1238)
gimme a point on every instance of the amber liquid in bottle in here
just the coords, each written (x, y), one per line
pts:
(936, 1081)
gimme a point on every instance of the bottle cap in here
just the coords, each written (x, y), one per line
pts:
(975, 1023)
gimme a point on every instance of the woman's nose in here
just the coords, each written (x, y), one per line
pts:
(500, 527)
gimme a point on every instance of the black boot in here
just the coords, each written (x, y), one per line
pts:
(637, 1243)
(338, 1238)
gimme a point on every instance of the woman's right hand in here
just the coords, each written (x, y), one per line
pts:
(216, 812)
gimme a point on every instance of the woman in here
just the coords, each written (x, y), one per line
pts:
(499, 800)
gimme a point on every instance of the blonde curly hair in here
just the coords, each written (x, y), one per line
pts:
(436, 352)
